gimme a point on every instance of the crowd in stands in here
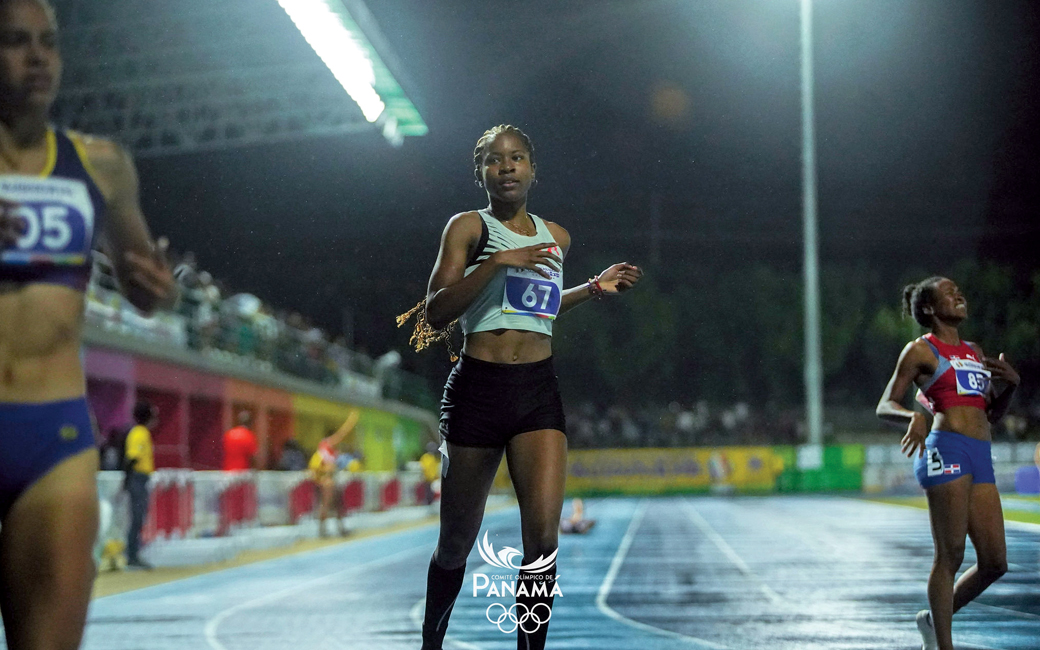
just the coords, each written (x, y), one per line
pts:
(214, 320)
(700, 424)
(678, 425)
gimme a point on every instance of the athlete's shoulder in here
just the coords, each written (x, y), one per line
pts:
(110, 162)
(464, 224)
(559, 233)
(101, 151)
(918, 351)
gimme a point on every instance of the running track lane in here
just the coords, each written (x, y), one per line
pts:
(655, 574)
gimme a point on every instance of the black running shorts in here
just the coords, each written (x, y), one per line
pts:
(485, 404)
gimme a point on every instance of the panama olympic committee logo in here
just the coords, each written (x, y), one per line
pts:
(508, 618)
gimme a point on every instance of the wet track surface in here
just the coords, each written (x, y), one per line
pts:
(655, 574)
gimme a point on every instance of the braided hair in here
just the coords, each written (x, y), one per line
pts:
(423, 334)
(919, 295)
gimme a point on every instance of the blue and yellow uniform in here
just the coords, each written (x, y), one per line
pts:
(63, 211)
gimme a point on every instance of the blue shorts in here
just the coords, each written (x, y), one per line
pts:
(36, 437)
(949, 456)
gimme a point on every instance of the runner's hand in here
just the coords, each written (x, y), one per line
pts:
(152, 274)
(913, 441)
(620, 278)
(530, 257)
(11, 226)
(1001, 369)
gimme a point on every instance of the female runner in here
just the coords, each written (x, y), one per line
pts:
(499, 272)
(952, 461)
(58, 190)
(323, 472)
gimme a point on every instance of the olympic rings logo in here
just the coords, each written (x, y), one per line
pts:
(509, 617)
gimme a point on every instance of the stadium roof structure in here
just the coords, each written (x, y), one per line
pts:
(181, 76)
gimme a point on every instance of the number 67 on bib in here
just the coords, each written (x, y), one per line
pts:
(527, 292)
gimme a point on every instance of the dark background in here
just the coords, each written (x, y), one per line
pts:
(927, 163)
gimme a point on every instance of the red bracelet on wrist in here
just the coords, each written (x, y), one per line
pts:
(595, 289)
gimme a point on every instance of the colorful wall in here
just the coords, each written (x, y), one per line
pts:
(197, 406)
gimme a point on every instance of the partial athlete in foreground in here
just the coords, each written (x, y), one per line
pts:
(58, 191)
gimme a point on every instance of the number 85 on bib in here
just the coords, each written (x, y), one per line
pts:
(527, 292)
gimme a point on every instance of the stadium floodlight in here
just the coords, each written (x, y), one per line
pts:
(331, 28)
(339, 50)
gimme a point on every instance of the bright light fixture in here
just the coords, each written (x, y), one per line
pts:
(339, 49)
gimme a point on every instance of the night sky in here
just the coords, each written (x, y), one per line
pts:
(926, 127)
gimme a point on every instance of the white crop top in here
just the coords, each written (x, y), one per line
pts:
(514, 299)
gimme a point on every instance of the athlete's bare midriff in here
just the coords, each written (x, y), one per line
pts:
(966, 420)
(508, 346)
(40, 328)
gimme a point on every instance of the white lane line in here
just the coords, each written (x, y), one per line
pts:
(728, 551)
(1006, 609)
(214, 623)
(608, 584)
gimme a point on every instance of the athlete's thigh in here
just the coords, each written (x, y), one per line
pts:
(465, 486)
(538, 469)
(948, 505)
(46, 555)
(986, 524)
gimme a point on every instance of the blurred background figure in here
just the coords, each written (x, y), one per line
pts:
(240, 445)
(293, 458)
(576, 524)
(430, 463)
(323, 472)
(140, 463)
(356, 463)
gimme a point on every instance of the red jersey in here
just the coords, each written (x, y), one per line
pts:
(239, 448)
(961, 379)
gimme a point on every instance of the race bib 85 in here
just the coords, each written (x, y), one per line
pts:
(58, 216)
(972, 377)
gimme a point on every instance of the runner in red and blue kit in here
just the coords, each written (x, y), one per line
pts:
(966, 392)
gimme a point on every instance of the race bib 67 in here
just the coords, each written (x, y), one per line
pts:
(527, 292)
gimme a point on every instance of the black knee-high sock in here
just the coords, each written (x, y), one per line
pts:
(539, 604)
(442, 588)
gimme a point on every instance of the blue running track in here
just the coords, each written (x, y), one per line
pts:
(773, 573)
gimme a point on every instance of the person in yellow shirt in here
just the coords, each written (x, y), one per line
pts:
(430, 463)
(140, 463)
(356, 463)
(323, 470)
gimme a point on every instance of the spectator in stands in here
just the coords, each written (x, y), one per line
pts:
(207, 320)
(140, 462)
(356, 463)
(240, 445)
(323, 470)
(113, 450)
(293, 458)
(186, 272)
